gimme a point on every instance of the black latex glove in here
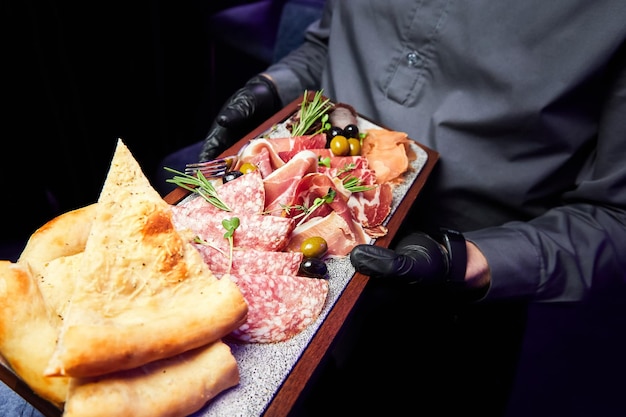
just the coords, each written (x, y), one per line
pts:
(251, 105)
(418, 258)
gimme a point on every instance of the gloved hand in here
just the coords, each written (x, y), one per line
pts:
(252, 104)
(417, 259)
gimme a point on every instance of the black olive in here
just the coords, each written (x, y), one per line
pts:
(351, 131)
(231, 175)
(331, 133)
(313, 268)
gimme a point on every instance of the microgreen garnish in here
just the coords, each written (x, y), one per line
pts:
(353, 184)
(306, 211)
(230, 225)
(201, 241)
(199, 185)
(324, 161)
(310, 113)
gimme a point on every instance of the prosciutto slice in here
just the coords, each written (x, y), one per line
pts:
(340, 235)
(280, 185)
(371, 207)
(301, 143)
(259, 146)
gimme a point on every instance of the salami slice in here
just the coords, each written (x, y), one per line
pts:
(255, 231)
(245, 194)
(279, 306)
(251, 261)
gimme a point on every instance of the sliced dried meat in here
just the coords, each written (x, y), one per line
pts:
(340, 235)
(301, 143)
(280, 186)
(245, 194)
(279, 306)
(257, 145)
(387, 153)
(250, 261)
(371, 207)
(255, 231)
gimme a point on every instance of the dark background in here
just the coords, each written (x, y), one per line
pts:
(79, 75)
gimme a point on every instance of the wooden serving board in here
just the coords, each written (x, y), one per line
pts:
(273, 376)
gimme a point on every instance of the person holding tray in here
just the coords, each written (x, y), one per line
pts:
(505, 294)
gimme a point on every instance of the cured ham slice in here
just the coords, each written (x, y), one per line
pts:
(365, 176)
(281, 184)
(313, 186)
(341, 162)
(262, 160)
(341, 236)
(387, 153)
(279, 306)
(257, 146)
(301, 143)
(371, 207)
(316, 141)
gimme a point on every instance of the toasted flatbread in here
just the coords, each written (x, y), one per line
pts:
(52, 253)
(142, 292)
(176, 386)
(28, 331)
(63, 235)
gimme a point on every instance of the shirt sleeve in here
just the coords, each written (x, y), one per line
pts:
(578, 246)
(302, 68)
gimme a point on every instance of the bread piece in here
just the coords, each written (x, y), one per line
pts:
(176, 386)
(142, 291)
(64, 235)
(52, 251)
(28, 332)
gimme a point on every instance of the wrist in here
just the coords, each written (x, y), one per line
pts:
(456, 251)
(478, 274)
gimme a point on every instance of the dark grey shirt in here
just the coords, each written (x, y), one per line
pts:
(526, 103)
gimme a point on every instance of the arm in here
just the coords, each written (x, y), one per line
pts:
(302, 68)
(266, 93)
(578, 245)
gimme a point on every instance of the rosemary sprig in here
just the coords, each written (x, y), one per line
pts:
(311, 112)
(199, 185)
(347, 167)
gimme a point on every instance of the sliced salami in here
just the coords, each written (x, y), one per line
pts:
(245, 194)
(279, 306)
(250, 261)
(255, 231)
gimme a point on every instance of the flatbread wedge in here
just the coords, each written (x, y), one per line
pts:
(28, 331)
(142, 292)
(176, 386)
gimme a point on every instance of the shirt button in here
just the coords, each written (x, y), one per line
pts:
(412, 58)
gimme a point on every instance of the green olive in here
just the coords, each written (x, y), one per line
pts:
(355, 146)
(247, 167)
(314, 247)
(339, 146)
